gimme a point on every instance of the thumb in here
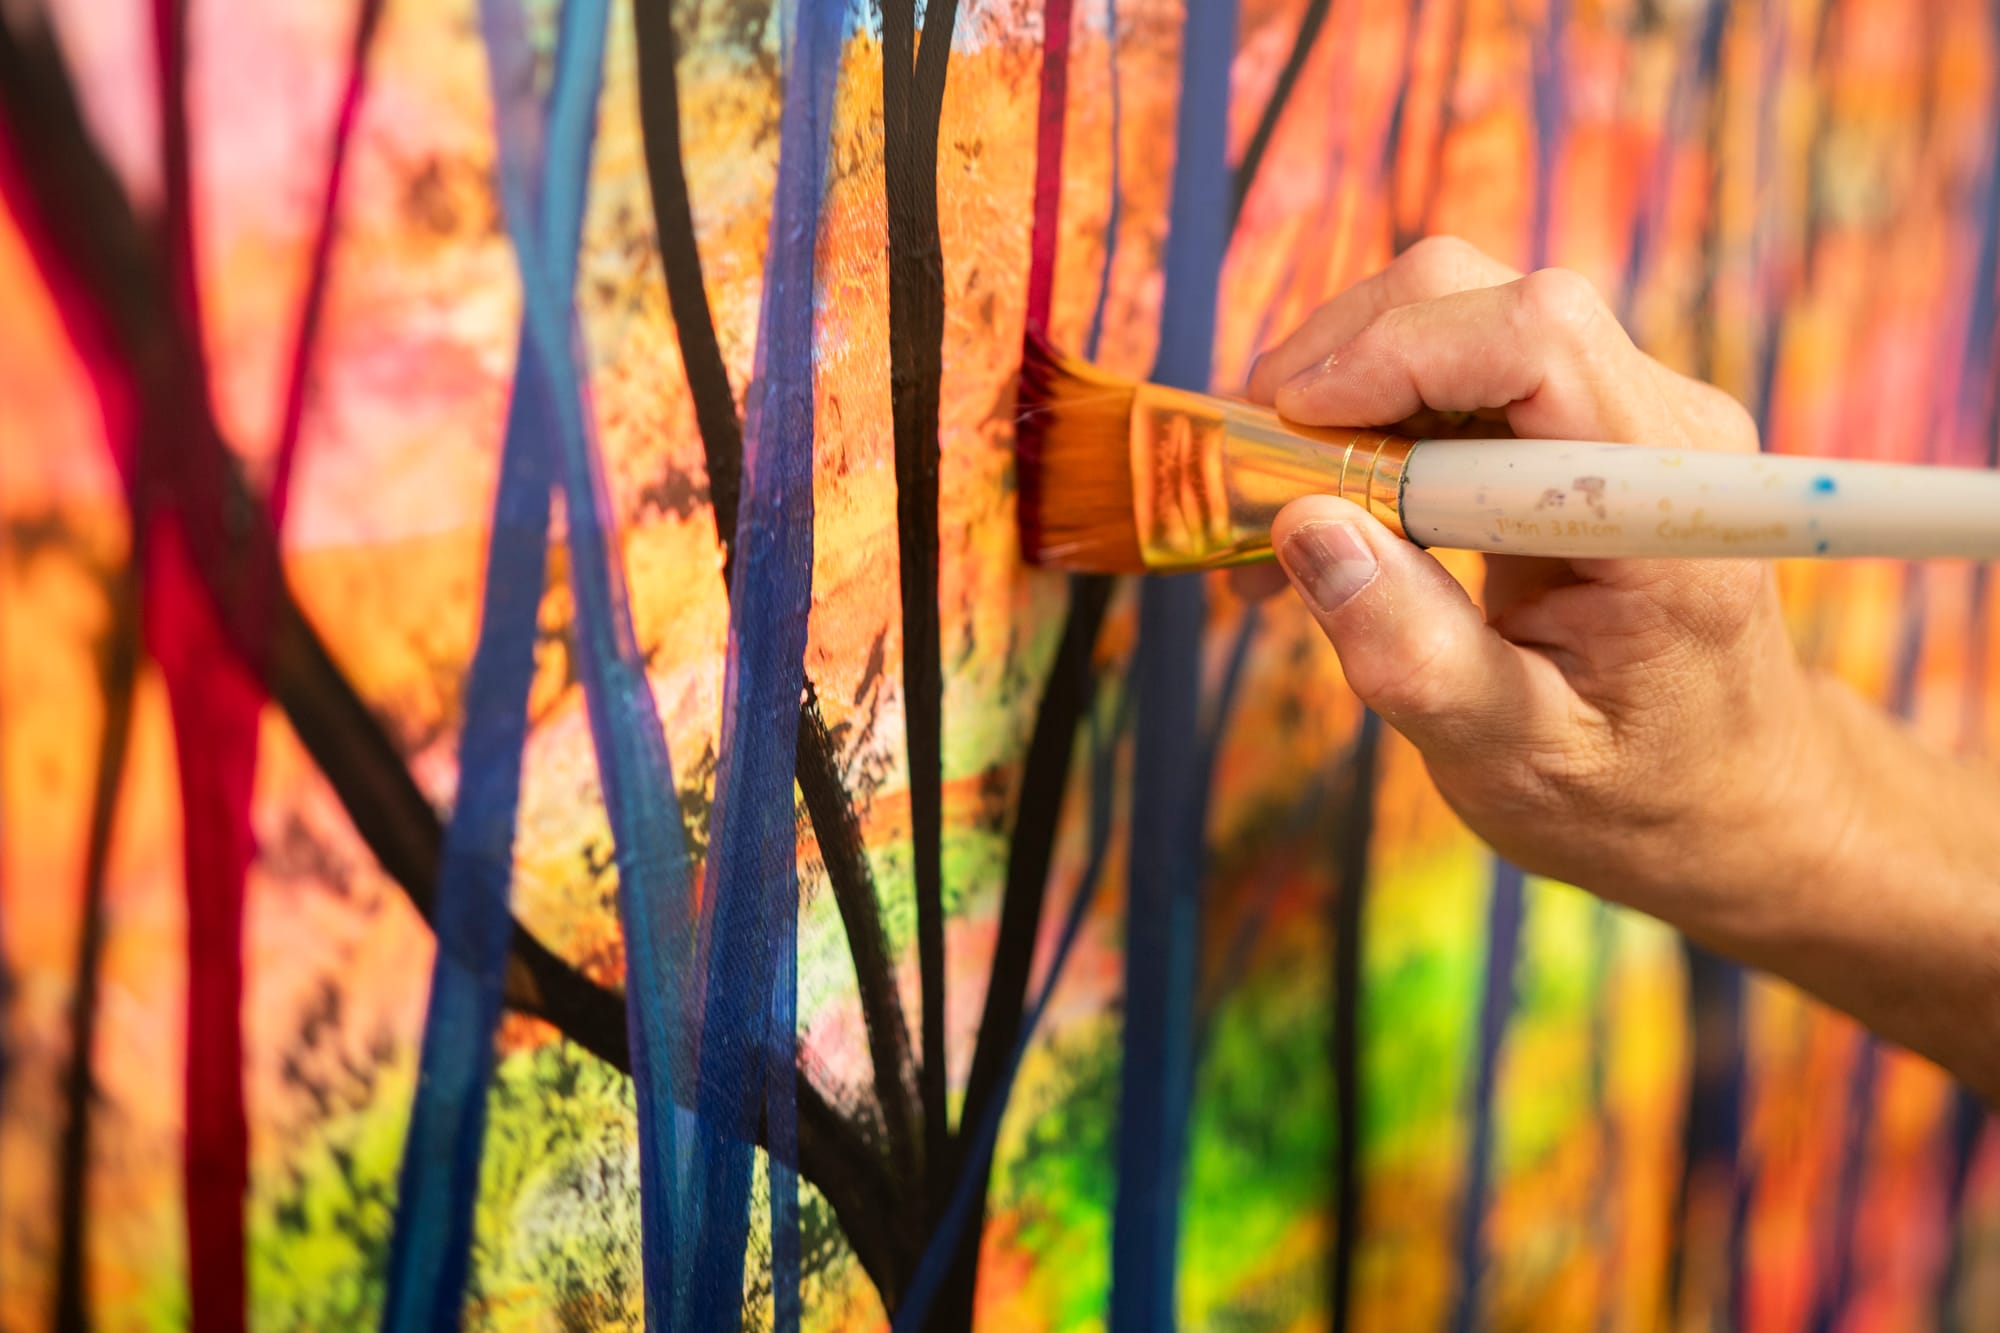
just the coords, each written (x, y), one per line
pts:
(1412, 644)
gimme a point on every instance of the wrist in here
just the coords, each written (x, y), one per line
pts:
(1779, 831)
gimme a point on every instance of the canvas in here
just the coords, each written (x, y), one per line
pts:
(536, 790)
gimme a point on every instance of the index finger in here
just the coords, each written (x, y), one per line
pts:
(1543, 347)
(1433, 267)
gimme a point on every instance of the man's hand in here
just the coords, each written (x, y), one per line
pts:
(1642, 729)
(1599, 717)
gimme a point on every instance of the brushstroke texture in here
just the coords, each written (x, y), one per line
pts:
(828, 805)
(215, 705)
(439, 1181)
(1245, 174)
(967, 1203)
(430, 1248)
(633, 765)
(1065, 699)
(748, 953)
(1169, 803)
(912, 102)
(1114, 186)
(1044, 783)
(319, 263)
(1051, 107)
(107, 280)
(440, 1177)
(680, 261)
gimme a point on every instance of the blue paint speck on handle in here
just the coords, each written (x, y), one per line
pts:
(1821, 548)
(1824, 485)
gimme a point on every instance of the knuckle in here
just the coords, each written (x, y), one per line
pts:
(1558, 301)
(1444, 261)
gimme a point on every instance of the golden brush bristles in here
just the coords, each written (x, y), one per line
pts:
(1073, 446)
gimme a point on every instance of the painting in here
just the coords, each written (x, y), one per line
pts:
(537, 790)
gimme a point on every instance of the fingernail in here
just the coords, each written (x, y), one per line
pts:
(1329, 561)
(1310, 376)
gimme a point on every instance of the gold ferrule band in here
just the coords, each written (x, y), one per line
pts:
(1210, 475)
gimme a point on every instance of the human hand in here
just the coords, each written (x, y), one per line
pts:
(1637, 727)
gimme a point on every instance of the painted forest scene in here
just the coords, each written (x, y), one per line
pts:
(537, 790)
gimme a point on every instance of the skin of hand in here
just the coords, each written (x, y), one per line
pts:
(1641, 728)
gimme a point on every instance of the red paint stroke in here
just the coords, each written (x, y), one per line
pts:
(215, 714)
(186, 535)
(1052, 108)
(320, 265)
(216, 704)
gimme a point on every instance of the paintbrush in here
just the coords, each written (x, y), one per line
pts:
(1118, 477)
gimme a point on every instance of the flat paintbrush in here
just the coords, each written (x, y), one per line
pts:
(1118, 477)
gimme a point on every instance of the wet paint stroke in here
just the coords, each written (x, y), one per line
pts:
(1245, 174)
(1114, 185)
(216, 704)
(120, 669)
(1169, 802)
(828, 804)
(748, 946)
(1065, 700)
(967, 1204)
(58, 184)
(912, 105)
(1052, 103)
(430, 1248)
(633, 765)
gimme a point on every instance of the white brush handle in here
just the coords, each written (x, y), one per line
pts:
(1589, 500)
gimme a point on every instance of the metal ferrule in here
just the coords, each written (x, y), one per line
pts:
(1210, 475)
